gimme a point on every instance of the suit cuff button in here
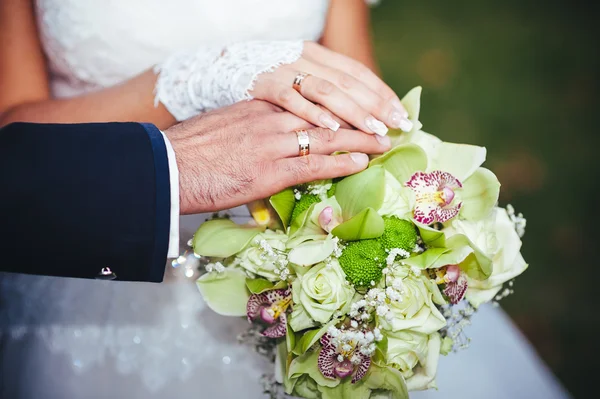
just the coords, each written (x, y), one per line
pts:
(106, 274)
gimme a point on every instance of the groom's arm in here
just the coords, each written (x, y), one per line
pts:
(78, 198)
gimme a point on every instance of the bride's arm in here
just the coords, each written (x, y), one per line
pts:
(25, 95)
(189, 83)
(348, 31)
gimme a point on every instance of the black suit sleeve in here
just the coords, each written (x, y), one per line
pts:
(78, 198)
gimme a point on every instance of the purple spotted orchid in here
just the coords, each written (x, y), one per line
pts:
(455, 280)
(270, 308)
(338, 359)
(434, 195)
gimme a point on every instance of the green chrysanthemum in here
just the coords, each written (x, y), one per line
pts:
(304, 203)
(398, 233)
(363, 261)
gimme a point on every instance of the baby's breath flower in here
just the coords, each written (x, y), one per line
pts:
(215, 267)
(518, 220)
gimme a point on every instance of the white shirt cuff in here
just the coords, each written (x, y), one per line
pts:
(173, 251)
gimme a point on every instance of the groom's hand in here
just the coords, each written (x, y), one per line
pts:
(250, 150)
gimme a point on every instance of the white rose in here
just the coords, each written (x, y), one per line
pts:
(496, 237)
(416, 311)
(423, 375)
(321, 291)
(405, 348)
(255, 258)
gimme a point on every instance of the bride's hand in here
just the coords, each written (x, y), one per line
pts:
(217, 76)
(342, 85)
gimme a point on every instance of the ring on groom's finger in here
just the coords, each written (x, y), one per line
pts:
(303, 143)
(298, 80)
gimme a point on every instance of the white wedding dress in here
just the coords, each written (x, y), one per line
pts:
(65, 338)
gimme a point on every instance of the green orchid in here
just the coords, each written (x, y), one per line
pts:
(222, 238)
(360, 196)
(315, 222)
(455, 264)
(445, 181)
(445, 178)
(226, 292)
(497, 240)
(459, 250)
(304, 378)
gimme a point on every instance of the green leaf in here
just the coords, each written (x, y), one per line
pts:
(479, 194)
(310, 338)
(360, 191)
(432, 237)
(428, 259)
(226, 292)
(402, 161)
(388, 379)
(222, 238)
(280, 285)
(381, 348)
(307, 340)
(283, 203)
(346, 390)
(307, 364)
(290, 339)
(281, 360)
(365, 225)
(436, 294)
(434, 258)
(305, 387)
(259, 285)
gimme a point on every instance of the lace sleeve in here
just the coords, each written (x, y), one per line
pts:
(190, 83)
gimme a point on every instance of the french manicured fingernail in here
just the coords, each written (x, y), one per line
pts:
(405, 125)
(376, 126)
(397, 121)
(360, 158)
(329, 122)
(398, 107)
(384, 140)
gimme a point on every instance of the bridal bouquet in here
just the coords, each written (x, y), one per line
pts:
(367, 279)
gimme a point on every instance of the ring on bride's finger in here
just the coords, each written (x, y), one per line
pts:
(298, 80)
(303, 143)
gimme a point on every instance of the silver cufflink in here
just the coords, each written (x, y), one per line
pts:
(106, 274)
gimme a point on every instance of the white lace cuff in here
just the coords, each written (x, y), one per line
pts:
(190, 83)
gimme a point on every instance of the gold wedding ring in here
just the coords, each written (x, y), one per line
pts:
(298, 81)
(303, 143)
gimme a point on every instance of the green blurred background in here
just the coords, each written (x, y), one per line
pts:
(521, 78)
